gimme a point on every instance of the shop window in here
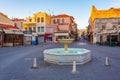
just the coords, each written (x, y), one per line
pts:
(8, 38)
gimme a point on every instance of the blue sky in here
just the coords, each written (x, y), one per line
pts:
(79, 9)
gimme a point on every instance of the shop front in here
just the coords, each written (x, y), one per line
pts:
(18, 38)
(41, 39)
(8, 38)
(27, 39)
(48, 38)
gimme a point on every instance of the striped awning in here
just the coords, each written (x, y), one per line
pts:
(18, 32)
(8, 31)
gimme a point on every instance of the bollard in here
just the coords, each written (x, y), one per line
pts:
(34, 66)
(74, 67)
(107, 62)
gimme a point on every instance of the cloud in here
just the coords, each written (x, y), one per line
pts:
(115, 3)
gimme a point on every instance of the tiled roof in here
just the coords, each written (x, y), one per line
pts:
(62, 15)
(16, 19)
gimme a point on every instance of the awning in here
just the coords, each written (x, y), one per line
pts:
(112, 31)
(34, 34)
(18, 32)
(61, 34)
(8, 31)
(27, 34)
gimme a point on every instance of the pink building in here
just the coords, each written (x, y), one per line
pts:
(49, 33)
(18, 22)
(63, 26)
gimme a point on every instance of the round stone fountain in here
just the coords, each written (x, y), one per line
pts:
(66, 56)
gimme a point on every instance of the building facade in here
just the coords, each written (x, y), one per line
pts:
(102, 19)
(37, 24)
(107, 30)
(64, 26)
(18, 22)
(9, 34)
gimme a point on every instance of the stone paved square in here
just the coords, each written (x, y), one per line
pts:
(16, 63)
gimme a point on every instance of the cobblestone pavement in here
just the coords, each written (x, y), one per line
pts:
(16, 63)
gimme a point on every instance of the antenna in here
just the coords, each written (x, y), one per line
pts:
(49, 11)
(52, 13)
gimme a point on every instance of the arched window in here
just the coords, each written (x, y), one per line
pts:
(42, 19)
(38, 20)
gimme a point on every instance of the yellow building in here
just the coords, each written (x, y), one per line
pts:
(36, 25)
(100, 14)
(39, 17)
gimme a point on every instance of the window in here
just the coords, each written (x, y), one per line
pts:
(62, 21)
(8, 38)
(38, 29)
(58, 21)
(54, 21)
(25, 28)
(30, 20)
(34, 29)
(38, 20)
(42, 29)
(42, 20)
(15, 24)
(30, 29)
(114, 26)
(103, 26)
(119, 23)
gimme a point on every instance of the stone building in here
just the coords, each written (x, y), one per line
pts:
(103, 21)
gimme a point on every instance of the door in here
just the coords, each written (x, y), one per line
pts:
(41, 39)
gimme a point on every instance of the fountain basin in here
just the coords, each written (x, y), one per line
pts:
(61, 57)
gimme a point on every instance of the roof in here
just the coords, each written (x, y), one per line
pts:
(62, 16)
(16, 19)
(110, 13)
(7, 26)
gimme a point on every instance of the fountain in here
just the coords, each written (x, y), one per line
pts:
(66, 56)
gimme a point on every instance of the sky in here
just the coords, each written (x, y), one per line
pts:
(79, 9)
